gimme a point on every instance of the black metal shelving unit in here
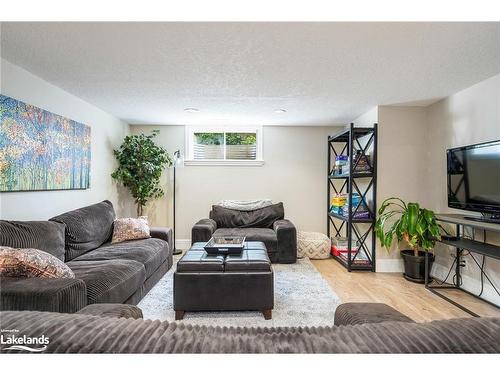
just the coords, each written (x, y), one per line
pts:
(350, 140)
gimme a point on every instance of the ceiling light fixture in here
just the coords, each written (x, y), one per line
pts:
(191, 110)
(281, 110)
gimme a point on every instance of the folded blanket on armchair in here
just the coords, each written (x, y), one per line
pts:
(248, 205)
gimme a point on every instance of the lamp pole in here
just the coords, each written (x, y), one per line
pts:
(177, 158)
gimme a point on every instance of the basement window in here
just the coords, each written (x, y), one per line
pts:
(224, 145)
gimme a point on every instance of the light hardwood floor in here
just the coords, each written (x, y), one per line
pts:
(409, 298)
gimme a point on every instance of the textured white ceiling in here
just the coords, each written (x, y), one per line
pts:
(321, 73)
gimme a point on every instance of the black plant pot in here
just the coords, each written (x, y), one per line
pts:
(415, 265)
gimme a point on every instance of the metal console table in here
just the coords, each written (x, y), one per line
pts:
(461, 243)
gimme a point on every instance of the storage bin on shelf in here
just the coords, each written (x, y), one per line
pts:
(340, 250)
(340, 246)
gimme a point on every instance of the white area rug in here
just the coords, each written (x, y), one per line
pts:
(301, 298)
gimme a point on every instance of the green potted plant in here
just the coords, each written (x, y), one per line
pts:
(410, 224)
(140, 165)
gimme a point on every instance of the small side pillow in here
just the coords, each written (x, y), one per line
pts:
(127, 229)
(32, 263)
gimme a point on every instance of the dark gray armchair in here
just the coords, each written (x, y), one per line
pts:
(264, 224)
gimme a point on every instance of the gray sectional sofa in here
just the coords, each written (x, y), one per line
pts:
(120, 329)
(105, 272)
(267, 224)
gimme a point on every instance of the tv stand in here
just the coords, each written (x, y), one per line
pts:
(485, 218)
(461, 244)
(495, 219)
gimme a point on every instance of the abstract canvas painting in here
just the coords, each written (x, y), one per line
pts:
(40, 150)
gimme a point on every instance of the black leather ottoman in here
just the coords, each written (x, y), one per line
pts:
(205, 282)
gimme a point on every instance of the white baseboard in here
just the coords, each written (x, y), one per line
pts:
(182, 244)
(390, 265)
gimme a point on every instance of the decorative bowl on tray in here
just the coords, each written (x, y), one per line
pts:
(223, 245)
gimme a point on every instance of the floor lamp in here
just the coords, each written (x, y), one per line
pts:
(177, 163)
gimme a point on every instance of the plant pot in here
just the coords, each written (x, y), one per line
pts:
(415, 265)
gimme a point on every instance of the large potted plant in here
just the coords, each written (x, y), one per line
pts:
(412, 225)
(140, 165)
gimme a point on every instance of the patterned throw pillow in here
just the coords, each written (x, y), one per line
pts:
(32, 263)
(126, 229)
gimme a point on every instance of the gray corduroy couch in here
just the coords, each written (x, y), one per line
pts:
(109, 329)
(105, 272)
(267, 224)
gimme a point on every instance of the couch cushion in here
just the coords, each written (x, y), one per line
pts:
(109, 281)
(42, 294)
(44, 235)
(150, 252)
(268, 236)
(249, 260)
(260, 218)
(87, 228)
(196, 259)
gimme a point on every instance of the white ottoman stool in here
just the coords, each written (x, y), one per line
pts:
(313, 245)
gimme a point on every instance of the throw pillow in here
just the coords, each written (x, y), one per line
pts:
(126, 229)
(32, 263)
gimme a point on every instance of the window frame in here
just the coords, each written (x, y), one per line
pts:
(189, 145)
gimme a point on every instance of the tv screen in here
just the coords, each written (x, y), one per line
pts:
(474, 177)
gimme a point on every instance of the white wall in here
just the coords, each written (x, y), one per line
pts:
(400, 154)
(294, 172)
(467, 117)
(412, 163)
(107, 133)
(367, 119)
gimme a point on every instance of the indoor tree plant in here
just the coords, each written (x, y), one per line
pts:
(414, 225)
(140, 165)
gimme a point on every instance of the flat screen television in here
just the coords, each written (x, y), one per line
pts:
(474, 179)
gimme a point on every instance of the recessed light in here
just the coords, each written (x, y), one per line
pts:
(281, 110)
(191, 110)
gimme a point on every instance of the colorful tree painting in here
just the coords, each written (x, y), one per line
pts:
(40, 150)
